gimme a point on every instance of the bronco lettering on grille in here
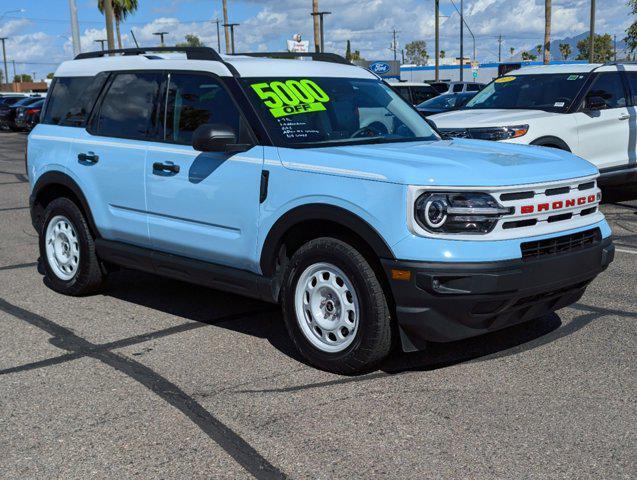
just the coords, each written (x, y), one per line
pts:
(557, 205)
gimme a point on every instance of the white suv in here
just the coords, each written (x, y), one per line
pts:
(586, 109)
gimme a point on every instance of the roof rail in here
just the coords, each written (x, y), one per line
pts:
(319, 57)
(192, 53)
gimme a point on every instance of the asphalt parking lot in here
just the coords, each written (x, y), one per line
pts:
(159, 379)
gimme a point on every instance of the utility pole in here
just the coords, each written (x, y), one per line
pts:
(14, 70)
(101, 42)
(75, 29)
(315, 12)
(461, 40)
(437, 41)
(394, 47)
(108, 15)
(218, 35)
(615, 47)
(4, 56)
(320, 15)
(231, 26)
(499, 48)
(161, 35)
(591, 35)
(226, 30)
(547, 31)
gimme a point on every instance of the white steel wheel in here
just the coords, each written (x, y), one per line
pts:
(326, 307)
(62, 247)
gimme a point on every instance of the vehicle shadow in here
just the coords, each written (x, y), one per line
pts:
(264, 320)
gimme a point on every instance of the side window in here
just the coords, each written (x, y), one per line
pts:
(423, 93)
(457, 88)
(473, 87)
(71, 100)
(403, 92)
(610, 88)
(194, 100)
(129, 108)
(632, 82)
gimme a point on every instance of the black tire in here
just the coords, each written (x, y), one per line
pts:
(88, 277)
(373, 339)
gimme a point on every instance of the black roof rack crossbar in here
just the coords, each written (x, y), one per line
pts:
(192, 53)
(319, 57)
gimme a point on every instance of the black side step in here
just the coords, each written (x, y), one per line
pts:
(186, 269)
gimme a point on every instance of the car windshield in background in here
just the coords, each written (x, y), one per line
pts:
(334, 111)
(552, 92)
(446, 101)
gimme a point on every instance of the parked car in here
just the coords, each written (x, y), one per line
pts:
(264, 178)
(28, 117)
(444, 103)
(414, 92)
(460, 87)
(441, 87)
(581, 108)
(8, 112)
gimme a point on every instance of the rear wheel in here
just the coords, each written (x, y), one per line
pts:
(335, 308)
(67, 250)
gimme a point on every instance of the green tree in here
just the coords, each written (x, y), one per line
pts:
(50, 75)
(357, 55)
(416, 52)
(442, 53)
(348, 51)
(121, 10)
(538, 49)
(565, 50)
(191, 41)
(603, 49)
(528, 56)
(631, 32)
(23, 77)
(512, 50)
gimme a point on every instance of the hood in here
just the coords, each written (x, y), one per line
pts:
(488, 118)
(457, 162)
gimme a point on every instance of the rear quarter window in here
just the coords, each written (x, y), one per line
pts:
(71, 100)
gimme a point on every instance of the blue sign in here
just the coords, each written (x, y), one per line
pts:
(380, 67)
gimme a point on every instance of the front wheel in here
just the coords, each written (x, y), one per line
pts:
(335, 308)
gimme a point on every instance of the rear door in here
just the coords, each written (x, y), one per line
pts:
(203, 205)
(109, 157)
(604, 134)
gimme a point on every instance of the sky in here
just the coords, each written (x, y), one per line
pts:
(39, 37)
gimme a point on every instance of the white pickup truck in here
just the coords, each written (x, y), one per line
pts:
(587, 109)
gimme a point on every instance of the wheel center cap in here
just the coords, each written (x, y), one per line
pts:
(329, 306)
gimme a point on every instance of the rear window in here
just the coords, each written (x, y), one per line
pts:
(423, 93)
(71, 100)
(457, 88)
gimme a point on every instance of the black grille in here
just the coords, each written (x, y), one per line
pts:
(563, 244)
(455, 132)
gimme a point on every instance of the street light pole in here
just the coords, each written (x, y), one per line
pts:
(437, 29)
(218, 36)
(591, 35)
(101, 42)
(231, 26)
(75, 29)
(161, 36)
(461, 40)
(4, 56)
(320, 15)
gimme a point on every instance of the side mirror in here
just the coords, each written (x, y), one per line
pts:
(594, 102)
(214, 137)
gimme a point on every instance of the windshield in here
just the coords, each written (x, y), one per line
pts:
(334, 111)
(552, 92)
(445, 102)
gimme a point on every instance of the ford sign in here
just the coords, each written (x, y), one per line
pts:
(379, 67)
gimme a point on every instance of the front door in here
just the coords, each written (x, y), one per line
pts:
(202, 205)
(604, 134)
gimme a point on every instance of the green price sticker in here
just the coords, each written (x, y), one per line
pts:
(291, 97)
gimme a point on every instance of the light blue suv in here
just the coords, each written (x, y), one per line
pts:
(307, 182)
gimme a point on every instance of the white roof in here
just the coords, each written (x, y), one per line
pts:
(246, 66)
(570, 68)
(408, 84)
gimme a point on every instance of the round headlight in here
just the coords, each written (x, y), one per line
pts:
(434, 210)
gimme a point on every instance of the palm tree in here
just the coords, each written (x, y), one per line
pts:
(512, 50)
(121, 10)
(442, 54)
(538, 49)
(547, 31)
(565, 50)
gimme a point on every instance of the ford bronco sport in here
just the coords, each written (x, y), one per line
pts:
(311, 183)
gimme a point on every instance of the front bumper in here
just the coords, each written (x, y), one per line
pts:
(444, 302)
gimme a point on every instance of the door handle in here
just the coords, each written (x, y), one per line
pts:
(165, 167)
(624, 116)
(89, 158)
